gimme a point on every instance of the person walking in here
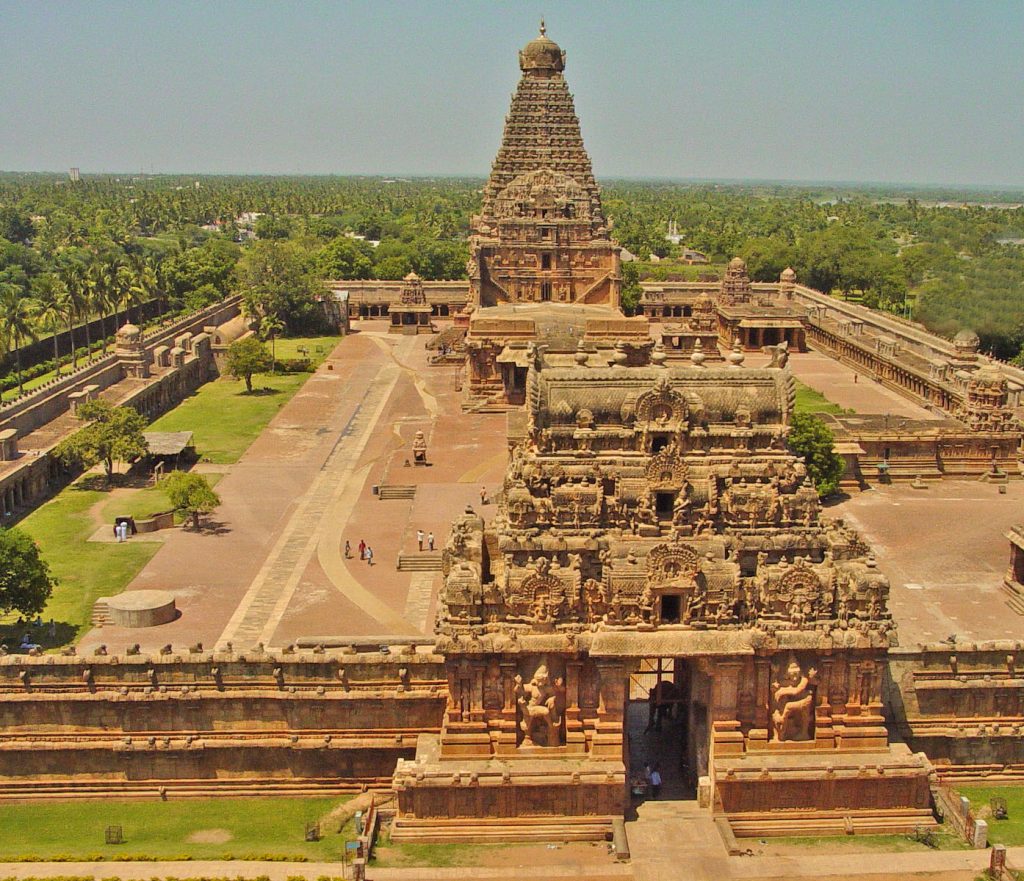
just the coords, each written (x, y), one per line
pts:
(369, 556)
(656, 781)
(348, 549)
(483, 495)
(430, 541)
(362, 549)
(419, 538)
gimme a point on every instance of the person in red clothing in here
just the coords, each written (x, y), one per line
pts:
(362, 549)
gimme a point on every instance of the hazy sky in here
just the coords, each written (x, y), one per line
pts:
(870, 91)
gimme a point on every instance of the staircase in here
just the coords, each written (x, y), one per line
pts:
(100, 613)
(421, 561)
(396, 491)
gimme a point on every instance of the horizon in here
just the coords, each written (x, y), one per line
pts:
(800, 93)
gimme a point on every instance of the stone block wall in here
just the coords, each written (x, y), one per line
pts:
(212, 722)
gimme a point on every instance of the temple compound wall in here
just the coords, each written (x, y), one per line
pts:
(373, 298)
(151, 373)
(212, 723)
(653, 511)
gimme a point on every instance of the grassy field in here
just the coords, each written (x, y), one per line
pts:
(225, 420)
(387, 855)
(198, 829)
(1009, 831)
(84, 570)
(810, 400)
(862, 843)
(144, 503)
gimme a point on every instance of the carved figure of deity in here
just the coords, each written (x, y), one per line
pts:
(540, 708)
(793, 699)
(494, 696)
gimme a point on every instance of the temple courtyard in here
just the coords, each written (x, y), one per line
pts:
(271, 568)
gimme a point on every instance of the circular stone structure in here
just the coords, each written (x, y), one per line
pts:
(142, 608)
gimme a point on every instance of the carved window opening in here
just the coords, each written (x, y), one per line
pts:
(663, 504)
(671, 608)
(658, 442)
(545, 291)
(545, 261)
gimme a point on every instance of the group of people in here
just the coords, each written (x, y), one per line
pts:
(429, 539)
(365, 551)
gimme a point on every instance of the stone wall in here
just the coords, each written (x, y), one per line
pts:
(205, 722)
(963, 705)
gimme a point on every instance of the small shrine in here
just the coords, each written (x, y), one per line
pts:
(411, 313)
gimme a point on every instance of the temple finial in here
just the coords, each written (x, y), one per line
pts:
(543, 28)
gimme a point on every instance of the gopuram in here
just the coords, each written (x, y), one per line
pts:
(654, 512)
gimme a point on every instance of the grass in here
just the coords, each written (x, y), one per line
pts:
(84, 570)
(225, 420)
(394, 856)
(887, 843)
(258, 828)
(144, 503)
(1009, 831)
(810, 400)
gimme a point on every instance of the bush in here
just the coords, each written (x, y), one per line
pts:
(812, 440)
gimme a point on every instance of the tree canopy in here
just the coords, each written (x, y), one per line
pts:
(812, 440)
(114, 434)
(191, 494)
(246, 357)
(25, 581)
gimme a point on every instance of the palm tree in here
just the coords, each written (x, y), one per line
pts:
(73, 275)
(15, 321)
(271, 326)
(53, 308)
(100, 286)
(145, 277)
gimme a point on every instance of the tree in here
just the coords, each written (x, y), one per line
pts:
(53, 308)
(114, 434)
(274, 281)
(631, 290)
(272, 326)
(191, 494)
(345, 258)
(16, 322)
(812, 440)
(25, 581)
(246, 357)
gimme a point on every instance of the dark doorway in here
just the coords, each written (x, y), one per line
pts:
(660, 728)
(658, 443)
(670, 609)
(663, 503)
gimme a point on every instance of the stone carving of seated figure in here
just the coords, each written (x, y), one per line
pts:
(539, 703)
(793, 716)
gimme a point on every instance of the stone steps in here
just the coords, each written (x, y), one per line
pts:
(393, 491)
(485, 831)
(100, 613)
(813, 823)
(421, 561)
(1013, 599)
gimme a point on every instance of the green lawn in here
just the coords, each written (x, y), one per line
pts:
(198, 829)
(225, 420)
(1009, 831)
(387, 855)
(810, 400)
(888, 843)
(83, 570)
(144, 503)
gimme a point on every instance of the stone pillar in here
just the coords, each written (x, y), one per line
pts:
(574, 736)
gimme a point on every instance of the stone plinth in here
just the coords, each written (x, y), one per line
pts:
(8, 444)
(142, 608)
(529, 797)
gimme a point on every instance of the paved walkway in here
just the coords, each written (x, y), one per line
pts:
(334, 489)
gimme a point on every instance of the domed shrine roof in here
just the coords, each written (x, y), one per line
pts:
(542, 53)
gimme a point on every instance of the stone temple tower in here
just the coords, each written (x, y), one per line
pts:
(542, 235)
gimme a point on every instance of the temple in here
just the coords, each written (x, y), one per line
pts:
(653, 513)
(541, 235)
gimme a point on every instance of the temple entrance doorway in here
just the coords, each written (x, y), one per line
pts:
(666, 728)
